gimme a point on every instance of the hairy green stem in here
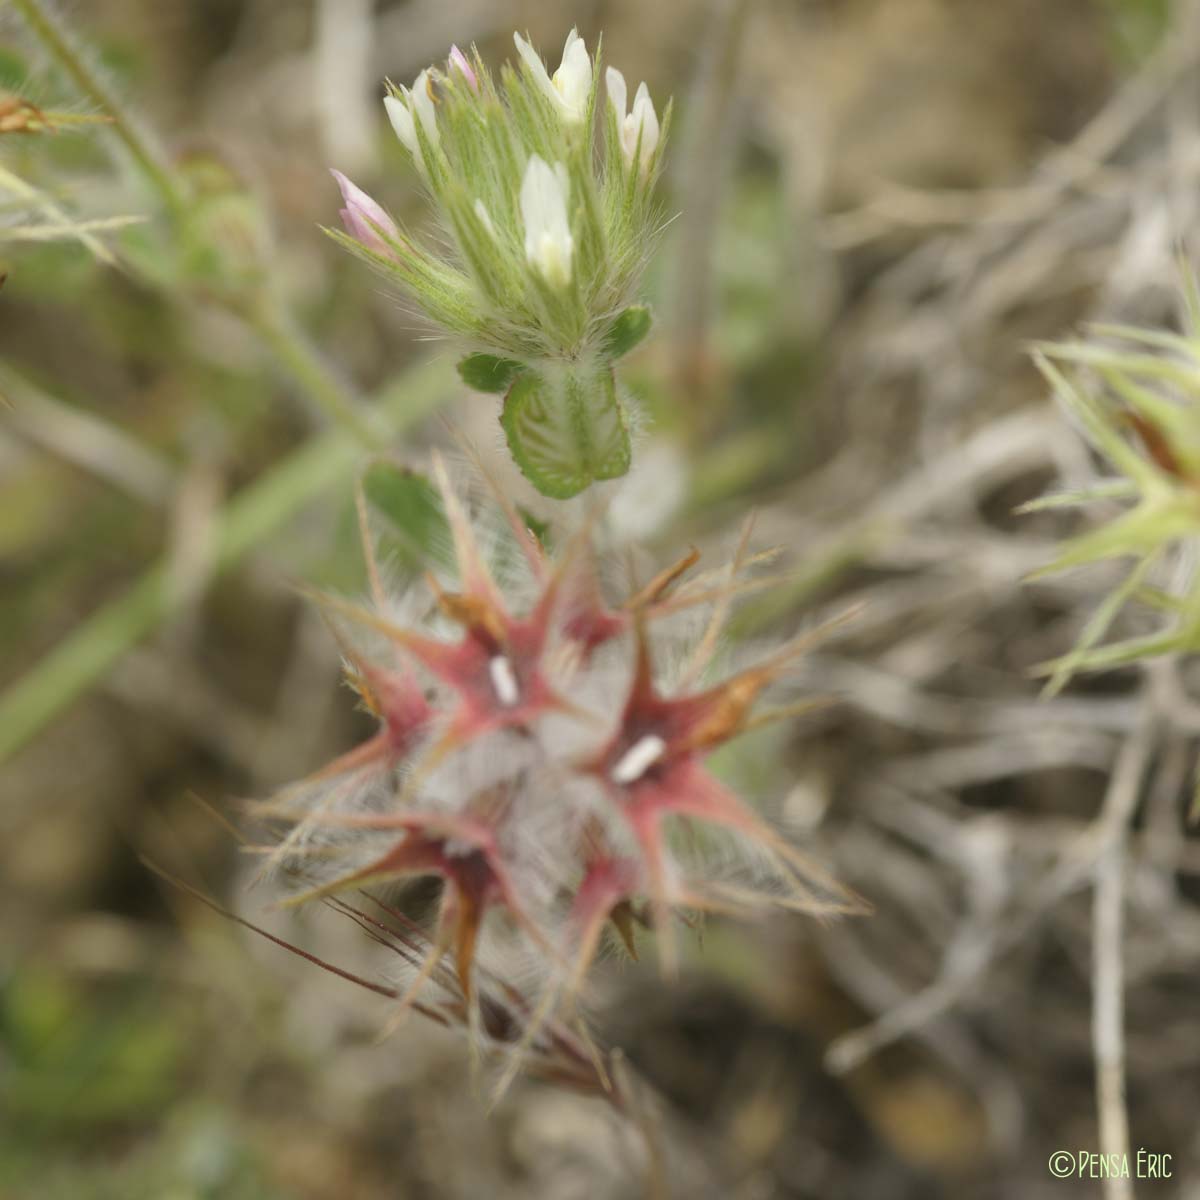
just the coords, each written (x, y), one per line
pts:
(269, 317)
(61, 45)
(83, 657)
(274, 324)
(703, 165)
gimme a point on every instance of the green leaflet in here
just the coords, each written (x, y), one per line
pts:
(630, 327)
(566, 429)
(489, 372)
(416, 531)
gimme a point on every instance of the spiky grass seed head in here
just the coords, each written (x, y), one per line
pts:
(1135, 393)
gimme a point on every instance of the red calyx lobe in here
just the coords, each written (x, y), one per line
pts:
(496, 669)
(653, 763)
(465, 853)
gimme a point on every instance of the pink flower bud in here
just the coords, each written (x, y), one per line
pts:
(459, 60)
(364, 219)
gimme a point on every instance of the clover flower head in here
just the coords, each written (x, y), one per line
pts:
(532, 755)
(542, 249)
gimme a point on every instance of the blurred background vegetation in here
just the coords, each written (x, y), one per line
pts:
(880, 203)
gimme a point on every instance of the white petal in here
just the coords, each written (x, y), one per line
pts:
(537, 68)
(618, 94)
(573, 79)
(422, 100)
(639, 128)
(485, 219)
(549, 246)
(537, 189)
(402, 123)
(645, 119)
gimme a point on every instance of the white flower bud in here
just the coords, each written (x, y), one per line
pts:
(549, 246)
(641, 123)
(401, 110)
(571, 85)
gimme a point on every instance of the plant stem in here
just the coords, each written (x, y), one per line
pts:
(61, 45)
(1108, 940)
(274, 324)
(83, 657)
(268, 316)
(86, 440)
(16, 186)
(702, 166)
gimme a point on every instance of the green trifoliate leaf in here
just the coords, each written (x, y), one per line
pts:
(415, 526)
(608, 433)
(488, 372)
(630, 327)
(566, 431)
